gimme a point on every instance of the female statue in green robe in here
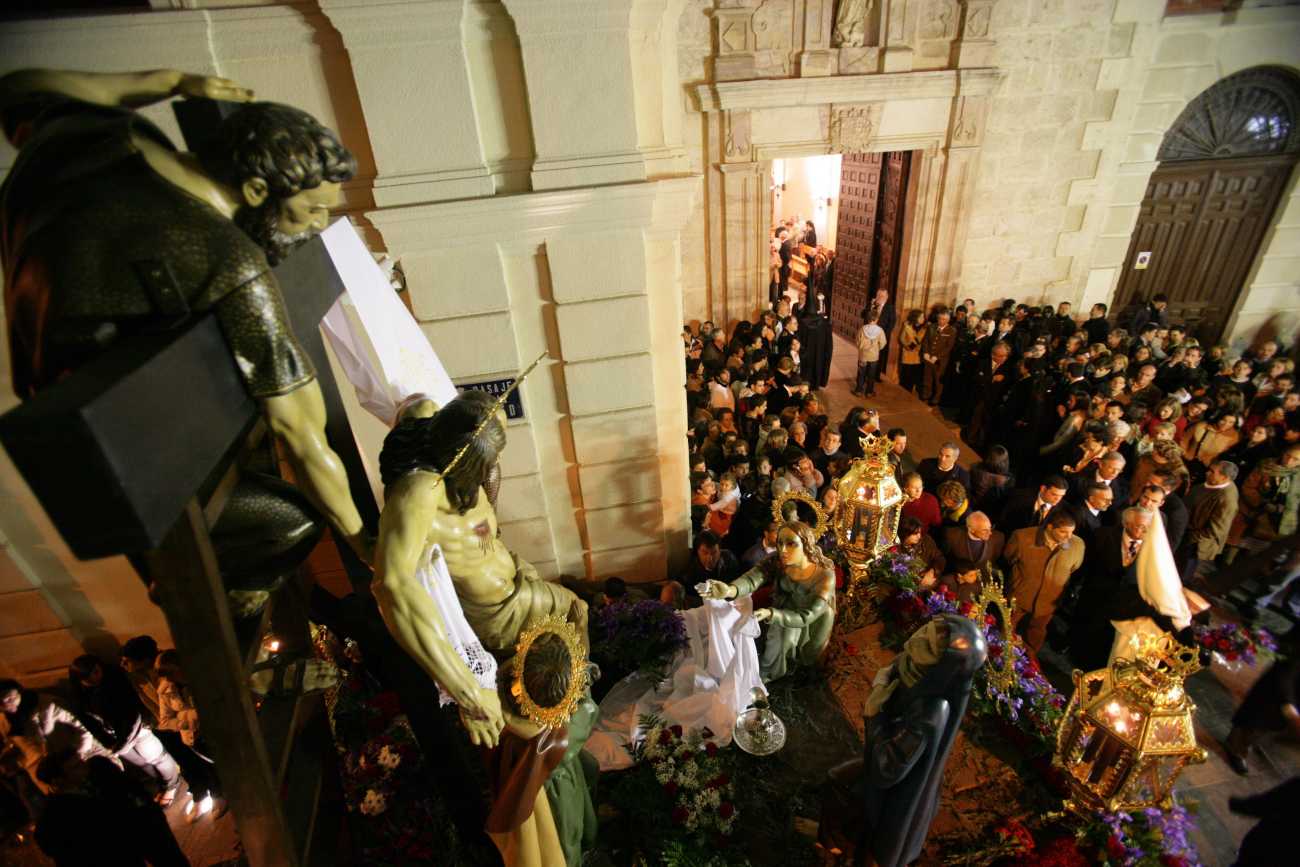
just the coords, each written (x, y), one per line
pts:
(803, 604)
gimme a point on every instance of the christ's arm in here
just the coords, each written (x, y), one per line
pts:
(411, 615)
(127, 89)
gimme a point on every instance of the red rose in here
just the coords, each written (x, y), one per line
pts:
(679, 815)
(1114, 847)
(1173, 861)
(676, 730)
(711, 748)
(671, 788)
(665, 737)
(1223, 644)
(1232, 655)
(726, 809)
(851, 649)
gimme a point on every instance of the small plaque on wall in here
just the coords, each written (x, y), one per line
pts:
(1142, 261)
(514, 405)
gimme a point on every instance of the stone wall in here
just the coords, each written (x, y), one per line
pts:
(1170, 62)
(1041, 138)
(535, 196)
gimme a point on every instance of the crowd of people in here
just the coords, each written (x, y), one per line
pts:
(109, 753)
(1086, 429)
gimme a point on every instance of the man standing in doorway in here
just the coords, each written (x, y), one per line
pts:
(936, 349)
(886, 318)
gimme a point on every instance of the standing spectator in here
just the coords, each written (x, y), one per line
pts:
(785, 251)
(710, 561)
(909, 359)
(1094, 512)
(1027, 507)
(936, 350)
(898, 456)
(112, 707)
(1042, 559)
(1211, 507)
(762, 549)
(100, 816)
(915, 542)
(38, 725)
(919, 503)
(1097, 327)
(1270, 499)
(871, 342)
(991, 479)
(179, 716)
(1107, 471)
(886, 318)
(935, 471)
(969, 549)
(828, 450)
(1204, 441)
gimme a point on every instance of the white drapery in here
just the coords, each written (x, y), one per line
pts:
(1161, 587)
(387, 358)
(710, 683)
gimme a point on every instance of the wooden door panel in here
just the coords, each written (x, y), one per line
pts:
(855, 239)
(1202, 222)
(889, 232)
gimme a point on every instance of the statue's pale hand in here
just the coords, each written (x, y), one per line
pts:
(212, 87)
(483, 719)
(715, 589)
(762, 615)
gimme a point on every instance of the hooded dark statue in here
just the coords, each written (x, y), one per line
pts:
(881, 807)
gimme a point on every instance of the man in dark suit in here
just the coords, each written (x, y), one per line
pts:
(886, 318)
(935, 471)
(1157, 494)
(1093, 512)
(787, 251)
(1110, 468)
(993, 379)
(1110, 589)
(1027, 507)
(969, 550)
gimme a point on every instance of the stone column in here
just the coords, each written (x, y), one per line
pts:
(965, 137)
(411, 73)
(585, 64)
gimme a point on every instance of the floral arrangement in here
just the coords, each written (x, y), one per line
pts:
(1151, 838)
(1233, 643)
(1032, 709)
(688, 767)
(640, 636)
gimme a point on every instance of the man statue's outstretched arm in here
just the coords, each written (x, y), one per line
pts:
(412, 617)
(129, 89)
(298, 419)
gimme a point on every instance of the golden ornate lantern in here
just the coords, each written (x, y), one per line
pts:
(1127, 732)
(866, 519)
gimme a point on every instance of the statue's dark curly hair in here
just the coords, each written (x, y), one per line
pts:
(282, 145)
(432, 443)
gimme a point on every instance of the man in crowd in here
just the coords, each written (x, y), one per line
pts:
(970, 549)
(1042, 559)
(1109, 473)
(936, 350)
(1027, 507)
(1211, 506)
(1094, 512)
(934, 471)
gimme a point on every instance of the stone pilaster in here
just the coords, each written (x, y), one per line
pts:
(745, 256)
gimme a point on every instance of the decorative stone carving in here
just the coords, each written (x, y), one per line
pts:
(859, 60)
(895, 30)
(773, 25)
(735, 59)
(977, 20)
(939, 20)
(851, 22)
(738, 139)
(967, 127)
(853, 127)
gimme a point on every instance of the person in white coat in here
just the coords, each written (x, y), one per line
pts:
(871, 340)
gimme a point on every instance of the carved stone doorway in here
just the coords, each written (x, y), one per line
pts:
(1223, 166)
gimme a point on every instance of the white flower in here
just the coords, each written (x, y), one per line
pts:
(374, 804)
(389, 759)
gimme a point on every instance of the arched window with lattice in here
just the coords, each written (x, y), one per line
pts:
(1249, 113)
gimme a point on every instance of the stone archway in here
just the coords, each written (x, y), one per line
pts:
(1224, 165)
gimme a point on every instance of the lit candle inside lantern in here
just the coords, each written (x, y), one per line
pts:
(271, 644)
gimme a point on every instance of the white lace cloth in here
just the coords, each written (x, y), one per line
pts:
(1161, 587)
(387, 358)
(709, 685)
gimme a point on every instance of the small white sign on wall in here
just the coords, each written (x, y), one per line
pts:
(1142, 261)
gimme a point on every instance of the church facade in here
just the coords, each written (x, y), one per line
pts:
(581, 176)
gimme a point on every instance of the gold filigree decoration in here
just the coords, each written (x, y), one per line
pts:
(778, 510)
(558, 714)
(1001, 673)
